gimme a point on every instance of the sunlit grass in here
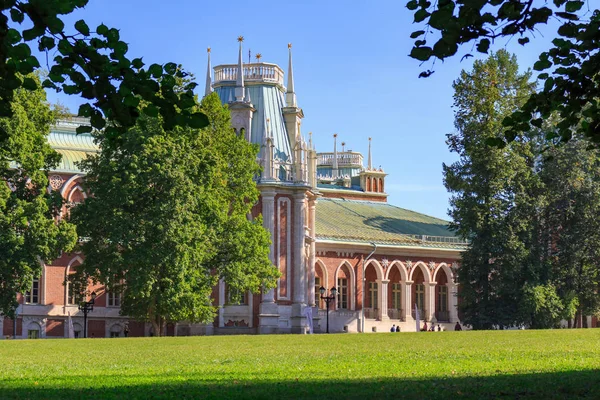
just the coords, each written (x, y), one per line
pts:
(531, 364)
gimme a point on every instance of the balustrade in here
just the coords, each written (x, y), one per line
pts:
(370, 313)
(343, 159)
(396, 313)
(443, 316)
(252, 72)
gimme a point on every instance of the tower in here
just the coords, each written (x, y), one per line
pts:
(266, 113)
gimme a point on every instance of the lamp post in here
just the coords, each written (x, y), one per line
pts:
(87, 306)
(364, 282)
(328, 299)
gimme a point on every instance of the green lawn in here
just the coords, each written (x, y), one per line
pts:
(501, 364)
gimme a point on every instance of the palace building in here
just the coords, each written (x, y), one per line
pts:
(330, 223)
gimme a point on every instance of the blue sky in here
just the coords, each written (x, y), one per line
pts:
(352, 73)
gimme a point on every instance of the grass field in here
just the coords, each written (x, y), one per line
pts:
(501, 364)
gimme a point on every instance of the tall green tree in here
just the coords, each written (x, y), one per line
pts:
(487, 186)
(169, 217)
(571, 222)
(29, 232)
(571, 66)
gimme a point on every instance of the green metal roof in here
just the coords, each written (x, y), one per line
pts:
(71, 146)
(382, 223)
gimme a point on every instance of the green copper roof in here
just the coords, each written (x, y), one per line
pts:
(382, 223)
(71, 146)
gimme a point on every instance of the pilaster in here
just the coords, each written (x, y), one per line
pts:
(430, 301)
(268, 310)
(299, 323)
(384, 300)
(408, 306)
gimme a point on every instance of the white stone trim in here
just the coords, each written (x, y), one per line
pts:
(352, 284)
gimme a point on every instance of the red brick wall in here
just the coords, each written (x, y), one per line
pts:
(8, 327)
(54, 285)
(136, 329)
(55, 328)
(96, 328)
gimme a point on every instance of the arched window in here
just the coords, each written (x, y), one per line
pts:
(375, 189)
(381, 185)
(368, 183)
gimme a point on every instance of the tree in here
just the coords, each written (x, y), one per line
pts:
(92, 64)
(572, 66)
(169, 217)
(488, 187)
(571, 222)
(29, 233)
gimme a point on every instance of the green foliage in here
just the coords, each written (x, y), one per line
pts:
(548, 364)
(487, 184)
(169, 218)
(29, 234)
(92, 64)
(572, 66)
(542, 306)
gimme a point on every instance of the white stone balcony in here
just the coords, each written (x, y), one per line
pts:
(344, 159)
(254, 72)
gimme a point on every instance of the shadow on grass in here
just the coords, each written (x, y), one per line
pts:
(569, 384)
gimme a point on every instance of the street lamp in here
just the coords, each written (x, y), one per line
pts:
(87, 306)
(328, 299)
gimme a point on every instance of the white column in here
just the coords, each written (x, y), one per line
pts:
(430, 300)
(268, 310)
(312, 254)
(299, 323)
(299, 265)
(408, 306)
(268, 214)
(221, 302)
(384, 300)
(453, 301)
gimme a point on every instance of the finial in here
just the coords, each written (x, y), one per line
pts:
(290, 97)
(370, 164)
(335, 135)
(343, 145)
(258, 57)
(239, 82)
(334, 167)
(208, 88)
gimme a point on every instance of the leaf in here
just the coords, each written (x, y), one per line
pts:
(137, 63)
(198, 120)
(151, 110)
(55, 24)
(572, 6)
(569, 16)
(155, 70)
(85, 110)
(30, 84)
(46, 43)
(102, 30)
(523, 41)
(421, 15)
(13, 36)
(483, 45)
(82, 27)
(412, 5)
(416, 34)
(421, 53)
(170, 68)
(16, 15)
(33, 33)
(541, 65)
(426, 74)
(83, 129)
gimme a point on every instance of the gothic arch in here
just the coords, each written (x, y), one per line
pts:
(368, 183)
(446, 269)
(320, 264)
(74, 190)
(424, 269)
(67, 272)
(381, 185)
(67, 184)
(352, 283)
(378, 269)
(375, 187)
(401, 267)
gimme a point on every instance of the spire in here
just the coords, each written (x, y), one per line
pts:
(334, 171)
(370, 165)
(290, 96)
(239, 83)
(310, 143)
(208, 90)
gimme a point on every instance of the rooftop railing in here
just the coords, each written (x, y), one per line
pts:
(440, 239)
(259, 72)
(343, 159)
